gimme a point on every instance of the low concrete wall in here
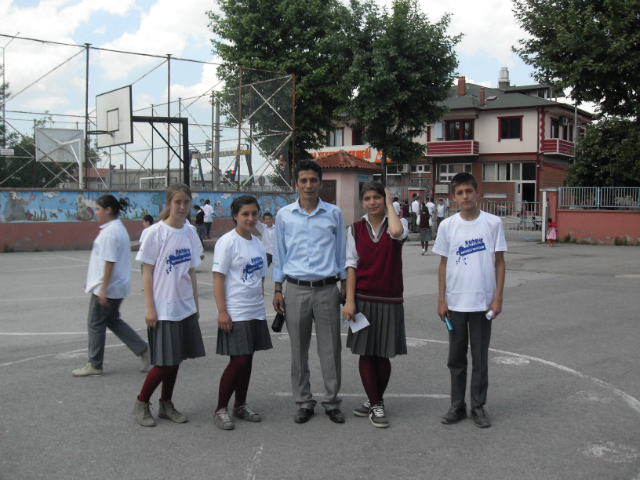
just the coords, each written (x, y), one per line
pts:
(65, 219)
(601, 226)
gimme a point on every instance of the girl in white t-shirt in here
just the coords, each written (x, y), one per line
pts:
(239, 263)
(169, 254)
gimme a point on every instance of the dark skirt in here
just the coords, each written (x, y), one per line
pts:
(385, 335)
(245, 338)
(425, 235)
(172, 342)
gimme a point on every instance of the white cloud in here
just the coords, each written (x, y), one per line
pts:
(101, 31)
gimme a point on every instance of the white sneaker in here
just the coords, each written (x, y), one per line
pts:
(422, 251)
(87, 371)
(145, 361)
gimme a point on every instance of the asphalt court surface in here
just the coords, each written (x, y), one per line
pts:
(564, 387)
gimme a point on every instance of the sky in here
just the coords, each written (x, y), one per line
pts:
(181, 29)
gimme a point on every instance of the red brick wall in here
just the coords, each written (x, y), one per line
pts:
(551, 176)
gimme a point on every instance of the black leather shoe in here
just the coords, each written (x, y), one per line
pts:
(303, 415)
(335, 415)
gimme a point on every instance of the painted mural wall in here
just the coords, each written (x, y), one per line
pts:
(64, 219)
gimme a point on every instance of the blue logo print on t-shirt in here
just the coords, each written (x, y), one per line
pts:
(470, 246)
(182, 255)
(255, 264)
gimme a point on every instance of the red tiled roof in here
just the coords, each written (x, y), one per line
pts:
(344, 160)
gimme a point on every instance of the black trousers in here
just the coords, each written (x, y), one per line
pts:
(474, 328)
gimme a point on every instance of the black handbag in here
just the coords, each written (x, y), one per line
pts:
(276, 326)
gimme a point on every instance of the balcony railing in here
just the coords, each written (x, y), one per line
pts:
(455, 148)
(555, 146)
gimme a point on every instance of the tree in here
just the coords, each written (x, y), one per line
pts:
(402, 70)
(592, 46)
(607, 155)
(305, 38)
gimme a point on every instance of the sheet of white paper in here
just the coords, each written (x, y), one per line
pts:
(359, 324)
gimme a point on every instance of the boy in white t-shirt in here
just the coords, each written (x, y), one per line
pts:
(470, 294)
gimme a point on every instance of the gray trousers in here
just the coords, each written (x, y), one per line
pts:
(474, 328)
(303, 306)
(414, 222)
(101, 318)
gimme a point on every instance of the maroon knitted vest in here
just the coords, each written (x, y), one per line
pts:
(379, 270)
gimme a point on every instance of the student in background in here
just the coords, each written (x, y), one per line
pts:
(208, 216)
(147, 221)
(268, 231)
(471, 283)
(424, 228)
(200, 227)
(109, 281)
(551, 233)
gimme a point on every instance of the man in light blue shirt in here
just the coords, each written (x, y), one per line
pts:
(309, 253)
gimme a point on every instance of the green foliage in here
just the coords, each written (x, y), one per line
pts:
(592, 46)
(277, 178)
(402, 69)
(305, 38)
(608, 155)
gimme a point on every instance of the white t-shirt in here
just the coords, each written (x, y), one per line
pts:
(111, 245)
(469, 248)
(143, 234)
(208, 213)
(431, 207)
(173, 251)
(441, 210)
(396, 207)
(244, 263)
(268, 234)
(415, 207)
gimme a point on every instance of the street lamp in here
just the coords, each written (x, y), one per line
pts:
(4, 94)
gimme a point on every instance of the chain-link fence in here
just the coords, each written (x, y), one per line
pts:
(240, 121)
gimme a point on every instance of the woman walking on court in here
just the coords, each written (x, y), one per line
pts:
(239, 264)
(169, 255)
(109, 281)
(424, 224)
(374, 288)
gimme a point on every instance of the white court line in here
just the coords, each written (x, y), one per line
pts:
(39, 269)
(254, 463)
(71, 258)
(386, 395)
(630, 400)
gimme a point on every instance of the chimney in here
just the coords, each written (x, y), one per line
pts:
(503, 81)
(462, 87)
(482, 96)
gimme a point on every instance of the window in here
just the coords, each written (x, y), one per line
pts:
(529, 171)
(555, 128)
(509, 172)
(510, 127)
(459, 130)
(357, 137)
(448, 171)
(335, 138)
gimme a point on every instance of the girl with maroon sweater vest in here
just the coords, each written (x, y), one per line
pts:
(374, 288)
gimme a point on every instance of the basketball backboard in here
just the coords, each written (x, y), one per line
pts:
(114, 117)
(59, 145)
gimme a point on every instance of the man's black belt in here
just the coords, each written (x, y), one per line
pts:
(314, 283)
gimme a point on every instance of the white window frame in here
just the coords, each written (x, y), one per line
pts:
(449, 174)
(509, 169)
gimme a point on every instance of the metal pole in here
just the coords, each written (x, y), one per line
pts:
(290, 175)
(212, 138)
(153, 180)
(110, 170)
(239, 128)
(180, 140)
(168, 115)
(86, 114)
(126, 185)
(216, 146)
(185, 152)
(4, 94)
(35, 155)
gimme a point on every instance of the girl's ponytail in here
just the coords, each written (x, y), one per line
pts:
(116, 206)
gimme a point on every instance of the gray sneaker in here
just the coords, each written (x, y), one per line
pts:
(245, 412)
(480, 417)
(141, 411)
(362, 410)
(454, 415)
(145, 361)
(222, 421)
(87, 371)
(377, 416)
(168, 411)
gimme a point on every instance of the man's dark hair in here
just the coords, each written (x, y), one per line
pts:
(148, 218)
(207, 202)
(308, 165)
(196, 207)
(267, 214)
(463, 179)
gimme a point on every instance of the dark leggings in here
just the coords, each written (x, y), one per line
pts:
(236, 379)
(375, 373)
(166, 376)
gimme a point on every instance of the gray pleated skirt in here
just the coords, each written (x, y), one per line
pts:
(385, 335)
(172, 342)
(425, 235)
(245, 338)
